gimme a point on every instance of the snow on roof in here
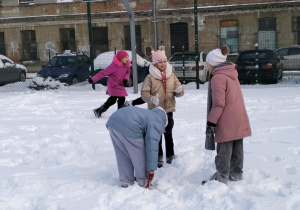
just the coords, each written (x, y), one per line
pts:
(105, 59)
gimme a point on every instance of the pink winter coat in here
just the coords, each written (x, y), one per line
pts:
(228, 108)
(116, 73)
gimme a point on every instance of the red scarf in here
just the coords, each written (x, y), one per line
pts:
(164, 79)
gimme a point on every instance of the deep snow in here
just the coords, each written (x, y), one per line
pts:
(56, 155)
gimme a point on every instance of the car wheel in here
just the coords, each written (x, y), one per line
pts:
(74, 80)
(22, 77)
(275, 80)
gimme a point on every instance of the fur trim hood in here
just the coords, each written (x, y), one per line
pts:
(119, 63)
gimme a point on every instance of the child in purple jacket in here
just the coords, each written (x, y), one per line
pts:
(118, 73)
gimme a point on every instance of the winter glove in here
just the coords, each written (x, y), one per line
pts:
(125, 82)
(149, 179)
(179, 89)
(90, 80)
(155, 100)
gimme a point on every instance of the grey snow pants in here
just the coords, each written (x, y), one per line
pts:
(229, 161)
(131, 158)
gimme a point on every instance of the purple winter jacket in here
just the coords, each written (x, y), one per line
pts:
(116, 72)
(228, 108)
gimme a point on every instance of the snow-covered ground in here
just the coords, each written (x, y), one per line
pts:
(55, 155)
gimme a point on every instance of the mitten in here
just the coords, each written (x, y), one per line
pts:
(155, 100)
(149, 179)
(125, 82)
(179, 89)
(90, 80)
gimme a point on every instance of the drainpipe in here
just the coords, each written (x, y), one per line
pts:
(133, 45)
(154, 25)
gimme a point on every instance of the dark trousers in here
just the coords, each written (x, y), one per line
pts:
(112, 100)
(138, 101)
(169, 145)
(229, 161)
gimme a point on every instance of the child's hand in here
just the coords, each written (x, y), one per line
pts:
(149, 179)
(90, 80)
(155, 100)
(125, 82)
(179, 89)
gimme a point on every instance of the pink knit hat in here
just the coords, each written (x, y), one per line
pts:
(121, 54)
(158, 56)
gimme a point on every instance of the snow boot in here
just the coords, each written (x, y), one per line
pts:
(160, 161)
(99, 111)
(170, 159)
(127, 104)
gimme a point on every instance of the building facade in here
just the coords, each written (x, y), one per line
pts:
(36, 29)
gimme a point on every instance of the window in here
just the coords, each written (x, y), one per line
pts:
(179, 37)
(2, 44)
(26, 1)
(0, 3)
(68, 39)
(267, 33)
(100, 40)
(29, 45)
(137, 38)
(229, 35)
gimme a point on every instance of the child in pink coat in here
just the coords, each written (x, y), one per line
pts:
(228, 117)
(118, 73)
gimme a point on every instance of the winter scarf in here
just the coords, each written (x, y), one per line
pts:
(161, 75)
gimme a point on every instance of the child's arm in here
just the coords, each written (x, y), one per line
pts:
(146, 88)
(127, 75)
(179, 89)
(107, 71)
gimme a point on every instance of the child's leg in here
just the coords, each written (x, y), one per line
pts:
(125, 167)
(169, 144)
(160, 154)
(137, 153)
(222, 161)
(237, 160)
(109, 102)
(138, 101)
(121, 101)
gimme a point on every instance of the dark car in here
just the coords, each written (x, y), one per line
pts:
(259, 66)
(290, 57)
(11, 71)
(67, 67)
(103, 60)
(188, 73)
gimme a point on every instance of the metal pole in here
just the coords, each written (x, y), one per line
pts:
(133, 45)
(90, 41)
(154, 24)
(183, 66)
(196, 42)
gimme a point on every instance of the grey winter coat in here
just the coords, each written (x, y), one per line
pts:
(138, 123)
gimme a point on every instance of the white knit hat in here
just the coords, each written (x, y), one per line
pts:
(215, 57)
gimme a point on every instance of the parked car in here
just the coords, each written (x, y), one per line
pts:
(184, 66)
(67, 67)
(258, 66)
(103, 60)
(290, 57)
(11, 71)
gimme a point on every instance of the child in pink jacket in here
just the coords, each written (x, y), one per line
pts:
(228, 116)
(118, 73)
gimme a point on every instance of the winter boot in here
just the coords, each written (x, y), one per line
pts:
(160, 161)
(99, 111)
(170, 159)
(127, 104)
